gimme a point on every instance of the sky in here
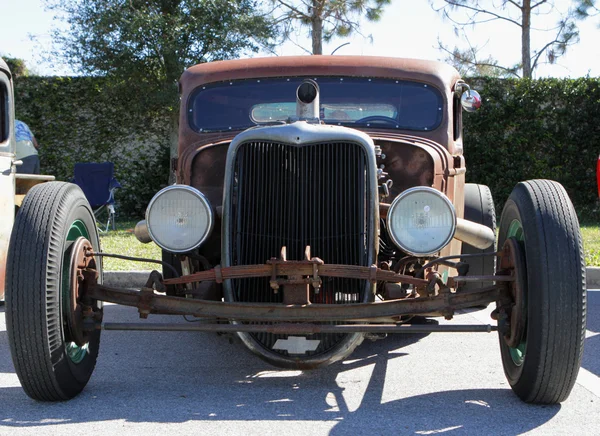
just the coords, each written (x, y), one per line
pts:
(408, 28)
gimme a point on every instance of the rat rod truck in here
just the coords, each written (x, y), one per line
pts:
(318, 200)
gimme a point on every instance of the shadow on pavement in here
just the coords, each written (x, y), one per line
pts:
(591, 352)
(181, 377)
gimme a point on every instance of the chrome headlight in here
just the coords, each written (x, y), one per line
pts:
(179, 218)
(421, 221)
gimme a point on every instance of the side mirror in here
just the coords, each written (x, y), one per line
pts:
(470, 100)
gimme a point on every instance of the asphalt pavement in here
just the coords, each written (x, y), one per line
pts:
(169, 383)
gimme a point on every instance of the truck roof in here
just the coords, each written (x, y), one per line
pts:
(436, 73)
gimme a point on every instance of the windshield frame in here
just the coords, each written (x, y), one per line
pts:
(439, 96)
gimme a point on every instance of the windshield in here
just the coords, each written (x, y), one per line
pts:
(363, 102)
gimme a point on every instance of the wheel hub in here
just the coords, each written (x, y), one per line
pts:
(513, 260)
(79, 310)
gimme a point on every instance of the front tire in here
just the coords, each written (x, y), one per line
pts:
(49, 363)
(543, 367)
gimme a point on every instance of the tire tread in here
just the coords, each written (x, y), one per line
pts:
(34, 319)
(555, 265)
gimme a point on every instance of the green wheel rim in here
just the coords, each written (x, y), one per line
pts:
(77, 230)
(517, 354)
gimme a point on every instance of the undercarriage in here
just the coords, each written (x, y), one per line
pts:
(428, 296)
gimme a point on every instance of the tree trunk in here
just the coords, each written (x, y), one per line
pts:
(173, 144)
(526, 39)
(172, 72)
(317, 28)
(317, 36)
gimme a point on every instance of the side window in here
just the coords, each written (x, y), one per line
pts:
(4, 113)
(457, 117)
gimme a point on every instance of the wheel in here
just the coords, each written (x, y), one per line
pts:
(542, 343)
(53, 353)
(479, 208)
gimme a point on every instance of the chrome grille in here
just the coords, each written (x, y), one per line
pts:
(294, 196)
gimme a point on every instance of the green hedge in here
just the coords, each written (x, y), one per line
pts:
(546, 128)
(78, 120)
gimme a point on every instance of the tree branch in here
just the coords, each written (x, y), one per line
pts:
(539, 53)
(464, 60)
(472, 21)
(299, 46)
(482, 11)
(517, 5)
(557, 40)
(293, 9)
(538, 4)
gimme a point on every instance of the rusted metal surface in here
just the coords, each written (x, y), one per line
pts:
(409, 160)
(204, 151)
(202, 166)
(436, 73)
(24, 182)
(299, 268)
(513, 316)
(295, 288)
(428, 158)
(302, 329)
(443, 303)
(82, 275)
(464, 279)
(135, 259)
(409, 165)
(394, 291)
(441, 76)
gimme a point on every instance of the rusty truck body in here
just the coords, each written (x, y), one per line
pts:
(318, 199)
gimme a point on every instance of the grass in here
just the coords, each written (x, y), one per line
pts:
(591, 244)
(122, 241)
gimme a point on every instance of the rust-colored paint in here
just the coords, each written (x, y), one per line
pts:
(437, 74)
(429, 158)
(205, 170)
(299, 267)
(24, 182)
(409, 161)
(161, 304)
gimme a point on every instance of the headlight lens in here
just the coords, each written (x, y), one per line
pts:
(421, 221)
(179, 218)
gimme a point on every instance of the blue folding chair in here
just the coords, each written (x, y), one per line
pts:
(98, 183)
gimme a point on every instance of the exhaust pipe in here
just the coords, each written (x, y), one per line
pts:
(141, 232)
(307, 100)
(474, 234)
